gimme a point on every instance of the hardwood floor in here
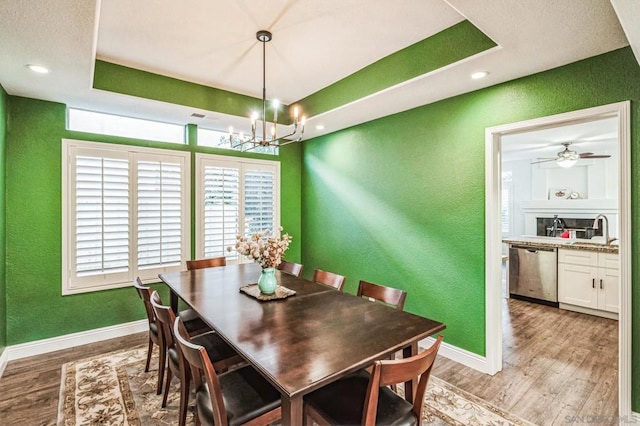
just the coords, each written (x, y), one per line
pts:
(29, 387)
(559, 366)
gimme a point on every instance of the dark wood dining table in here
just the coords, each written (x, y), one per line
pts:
(305, 341)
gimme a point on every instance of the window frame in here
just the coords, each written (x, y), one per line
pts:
(73, 148)
(203, 160)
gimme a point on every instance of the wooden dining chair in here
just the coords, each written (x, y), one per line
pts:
(210, 262)
(376, 292)
(290, 268)
(221, 354)
(328, 278)
(239, 397)
(366, 399)
(192, 322)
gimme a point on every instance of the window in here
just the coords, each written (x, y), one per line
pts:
(129, 127)
(216, 139)
(234, 196)
(125, 214)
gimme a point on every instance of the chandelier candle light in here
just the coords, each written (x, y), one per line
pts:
(255, 140)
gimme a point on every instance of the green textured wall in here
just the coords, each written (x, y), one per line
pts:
(400, 200)
(3, 163)
(35, 307)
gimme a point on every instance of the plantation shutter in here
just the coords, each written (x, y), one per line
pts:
(101, 215)
(234, 197)
(259, 201)
(159, 191)
(125, 214)
(221, 209)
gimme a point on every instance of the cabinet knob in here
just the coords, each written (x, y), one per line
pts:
(593, 283)
(601, 284)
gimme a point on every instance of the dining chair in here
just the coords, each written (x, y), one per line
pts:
(328, 278)
(376, 292)
(210, 262)
(192, 322)
(221, 354)
(290, 268)
(238, 397)
(366, 399)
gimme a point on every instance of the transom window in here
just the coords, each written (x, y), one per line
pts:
(129, 127)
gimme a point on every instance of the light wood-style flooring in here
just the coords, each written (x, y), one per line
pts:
(29, 387)
(558, 365)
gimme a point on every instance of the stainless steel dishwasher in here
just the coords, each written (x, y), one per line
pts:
(533, 273)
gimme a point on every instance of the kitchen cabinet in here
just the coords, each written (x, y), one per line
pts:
(588, 280)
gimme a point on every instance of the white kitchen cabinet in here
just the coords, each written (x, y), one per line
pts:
(589, 280)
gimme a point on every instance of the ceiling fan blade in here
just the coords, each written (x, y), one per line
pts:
(544, 160)
(584, 155)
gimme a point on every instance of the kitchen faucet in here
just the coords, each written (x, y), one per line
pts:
(607, 240)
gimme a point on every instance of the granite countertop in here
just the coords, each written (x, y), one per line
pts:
(557, 242)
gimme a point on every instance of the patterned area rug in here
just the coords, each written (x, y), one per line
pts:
(113, 389)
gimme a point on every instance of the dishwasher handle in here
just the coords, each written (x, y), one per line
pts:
(534, 250)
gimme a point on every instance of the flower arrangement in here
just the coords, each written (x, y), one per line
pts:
(263, 248)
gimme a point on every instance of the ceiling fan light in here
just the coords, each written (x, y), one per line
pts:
(566, 162)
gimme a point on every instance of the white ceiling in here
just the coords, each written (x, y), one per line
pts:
(598, 136)
(315, 44)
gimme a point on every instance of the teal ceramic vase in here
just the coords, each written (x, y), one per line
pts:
(267, 282)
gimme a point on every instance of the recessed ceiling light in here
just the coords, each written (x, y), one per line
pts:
(38, 68)
(320, 127)
(479, 74)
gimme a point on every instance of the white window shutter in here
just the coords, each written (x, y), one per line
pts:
(159, 195)
(221, 210)
(259, 201)
(102, 216)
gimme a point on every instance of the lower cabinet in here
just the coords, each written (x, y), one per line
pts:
(588, 279)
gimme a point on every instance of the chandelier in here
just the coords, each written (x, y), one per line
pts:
(266, 138)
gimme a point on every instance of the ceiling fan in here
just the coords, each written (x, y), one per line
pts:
(568, 157)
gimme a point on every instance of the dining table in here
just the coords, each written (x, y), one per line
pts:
(302, 342)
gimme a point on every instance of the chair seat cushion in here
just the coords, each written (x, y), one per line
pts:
(216, 347)
(342, 403)
(246, 395)
(192, 322)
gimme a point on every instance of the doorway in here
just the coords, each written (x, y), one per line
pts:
(493, 232)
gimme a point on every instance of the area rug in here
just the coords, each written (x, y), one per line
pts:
(113, 389)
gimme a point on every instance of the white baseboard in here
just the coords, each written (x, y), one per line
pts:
(39, 347)
(457, 354)
(4, 359)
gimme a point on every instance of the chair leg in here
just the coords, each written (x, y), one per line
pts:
(161, 366)
(167, 386)
(149, 351)
(184, 399)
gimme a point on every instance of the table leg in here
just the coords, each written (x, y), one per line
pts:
(292, 411)
(174, 302)
(410, 387)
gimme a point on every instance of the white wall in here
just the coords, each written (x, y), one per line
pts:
(595, 180)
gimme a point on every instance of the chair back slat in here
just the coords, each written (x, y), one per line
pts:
(165, 316)
(389, 295)
(211, 262)
(201, 366)
(329, 278)
(290, 268)
(144, 293)
(386, 373)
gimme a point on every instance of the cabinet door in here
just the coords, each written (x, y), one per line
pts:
(608, 290)
(577, 285)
